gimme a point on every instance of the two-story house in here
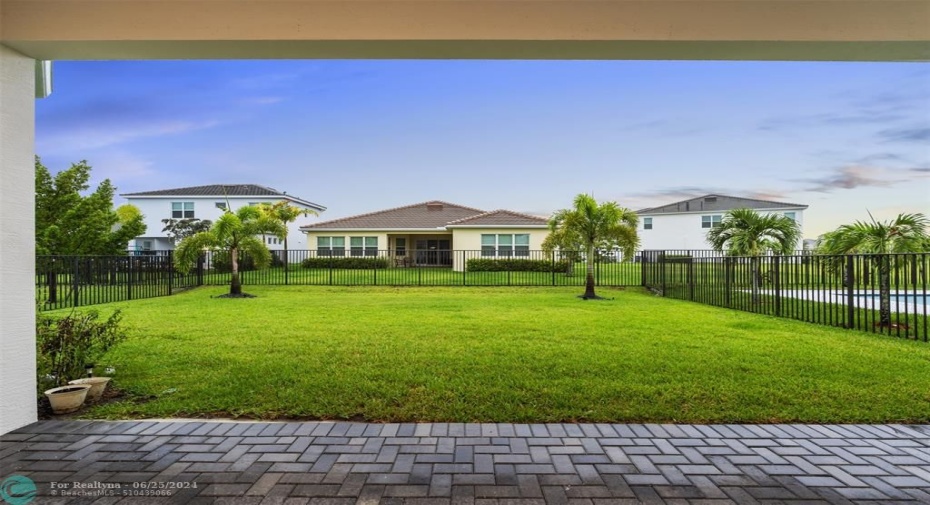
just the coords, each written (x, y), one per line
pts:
(684, 224)
(209, 202)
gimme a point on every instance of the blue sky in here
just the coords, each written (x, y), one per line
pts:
(359, 136)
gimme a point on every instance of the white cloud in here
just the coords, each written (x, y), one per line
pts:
(88, 137)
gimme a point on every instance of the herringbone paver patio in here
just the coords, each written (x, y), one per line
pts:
(453, 463)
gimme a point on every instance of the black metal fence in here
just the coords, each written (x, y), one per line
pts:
(877, 293)
(71, 281)
(74, 281)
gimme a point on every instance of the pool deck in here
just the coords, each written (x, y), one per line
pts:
(452, 463)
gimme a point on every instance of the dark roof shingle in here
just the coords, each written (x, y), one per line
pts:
(226, 190)
(718, 203)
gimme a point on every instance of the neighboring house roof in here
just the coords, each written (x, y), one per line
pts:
(224, 190)
(499, 217)
(432, 215)
(717, 203)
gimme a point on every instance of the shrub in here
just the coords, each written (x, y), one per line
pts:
(220, 261)
(675, 258)
(516, 265)
(64, 346)
(341, 262)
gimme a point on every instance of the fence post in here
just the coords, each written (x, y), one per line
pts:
(850, 291)
(691, 278)
(642, 269)
(662, 267)
(52, 283)
(464, 270)
(287, 264)
(776, 283)
(129, 282)
(552, 259)
(727, 281)
(75, 281)
(170, 269)
(200, 267)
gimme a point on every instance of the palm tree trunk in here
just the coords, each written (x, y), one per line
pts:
(589, 279)
(884, 290)
(235, 286)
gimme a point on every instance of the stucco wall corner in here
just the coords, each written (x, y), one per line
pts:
(17, 244)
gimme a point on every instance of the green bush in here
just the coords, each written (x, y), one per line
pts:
(220, 261)
(676, 258)
(345, 263)
(516, 265)
(64, 346)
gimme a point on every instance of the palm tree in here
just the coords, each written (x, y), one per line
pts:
(907, 233)
(232, 233)
(285, 213)
(590, 227)
(745, 232)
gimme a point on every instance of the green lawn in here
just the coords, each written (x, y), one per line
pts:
(607, 274)
(502, 354)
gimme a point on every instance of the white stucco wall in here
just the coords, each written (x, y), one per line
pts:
(17, 244)
(684, 231)
(157, 208)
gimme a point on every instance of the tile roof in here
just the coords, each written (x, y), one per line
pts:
(501, 217)
(432, 214)
(226, 190)
(717, 203)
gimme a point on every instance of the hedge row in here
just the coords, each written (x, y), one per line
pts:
(345, 263)
(516, 265)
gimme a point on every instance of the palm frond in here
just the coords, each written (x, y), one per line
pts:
(190, 249)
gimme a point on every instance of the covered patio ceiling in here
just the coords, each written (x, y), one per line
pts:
(810, 30)
(802, 30)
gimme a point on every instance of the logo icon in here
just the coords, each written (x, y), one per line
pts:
(17, 490)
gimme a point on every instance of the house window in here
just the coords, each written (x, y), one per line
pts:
(182, 210)
(363, 246)
(146, 245)
(330, 246)
(488, 245)
(711, 221)
(220, 205)
(792, 216)
(400, 246)
(647, 223)
(505, 245)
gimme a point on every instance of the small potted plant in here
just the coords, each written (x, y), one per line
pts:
(97, 384)
(68, 398)
(65, 346)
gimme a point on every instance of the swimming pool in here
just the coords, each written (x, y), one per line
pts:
(915, 298)
(911, 302)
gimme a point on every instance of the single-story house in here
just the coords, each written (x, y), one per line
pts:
(684, 225)
(427, 233)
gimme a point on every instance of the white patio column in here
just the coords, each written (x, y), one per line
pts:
(17, 241)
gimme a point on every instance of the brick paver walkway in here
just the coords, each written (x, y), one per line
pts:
(449, 463)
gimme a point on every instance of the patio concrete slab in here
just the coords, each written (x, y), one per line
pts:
(106, 462)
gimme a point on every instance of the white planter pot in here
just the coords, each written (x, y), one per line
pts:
(97, 386)
(67, 398)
